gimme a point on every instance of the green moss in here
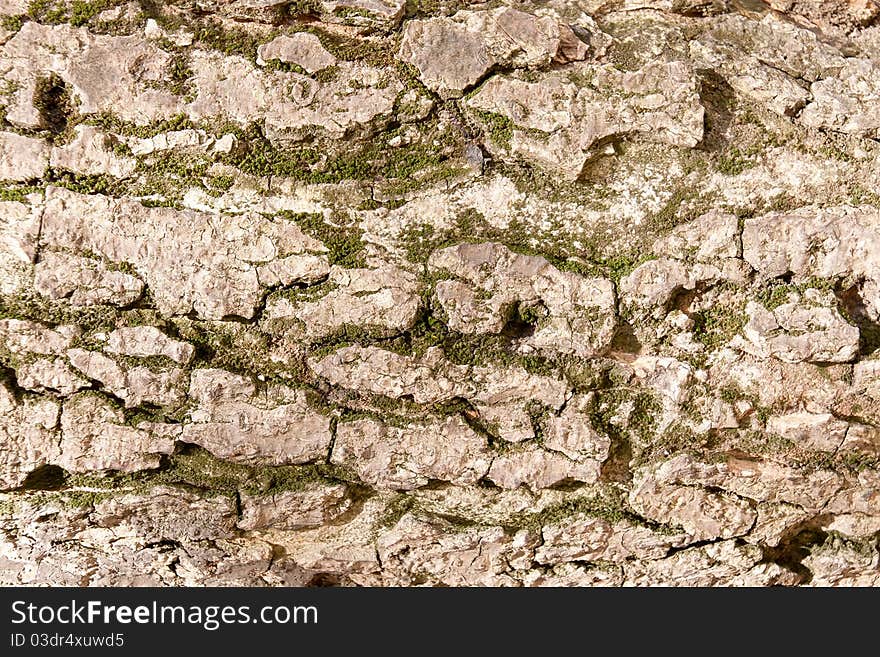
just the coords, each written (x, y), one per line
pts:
(352, 13)
(285, 67)
(716, 326)
(30, 306)
(620, 265)
(342, 240)
(303, 8)
(841, 461)
(470, 226)
(415, 164)
(36, 8)
(109, 122)
(736, 160)
(155, 363)
(198, 468)
(259, 157)
(12, 23)
(675, 438)
(607, 508)
(327, 75)
(218, 36)
(763, 442)
(299, 295)
(627, 54)
(74, 12)
(119, 148)
(774, 296)
(498, 127)
(643, 416)
(609, 505)
(396, 169)
(374, 52)
(859, 461)
(372, 160)
(393, 412)
(84, 499)
(223, 183)
(531, 315)
(344, 336)
(858, 195)
(419, 241)
(234, 347)
(685, 204)
(777, 293)
(81, 12)
(419, 8)
(430, 331)
(783, 202)
(470, 350)
(176, 166)
(396, 509)
(18, 193)
(179, 76)
(836, 151)
(7, 507)
(161, 180)
(732, 393)
(87, 183)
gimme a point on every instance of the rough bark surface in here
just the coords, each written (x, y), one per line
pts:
(440, 293)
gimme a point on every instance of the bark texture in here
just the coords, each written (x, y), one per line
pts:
(430, 292)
